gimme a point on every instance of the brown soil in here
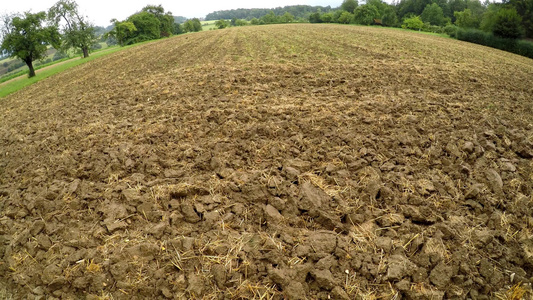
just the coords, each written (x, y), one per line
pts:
(301, 161)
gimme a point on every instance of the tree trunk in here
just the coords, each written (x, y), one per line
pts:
(85, 52)
(29, 63)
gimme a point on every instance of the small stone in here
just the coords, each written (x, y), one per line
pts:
(468, 147)
(508, 167)
(272, 214)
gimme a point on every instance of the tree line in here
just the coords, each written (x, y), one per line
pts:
(509, 19)
(297, 11)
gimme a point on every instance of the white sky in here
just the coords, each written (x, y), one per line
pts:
(100, 11)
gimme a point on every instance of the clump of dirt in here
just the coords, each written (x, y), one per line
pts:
(324, 162)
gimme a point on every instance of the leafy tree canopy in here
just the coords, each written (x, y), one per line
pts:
(147, 25)
(221, 24)
(26, 38)
(466, 19)
(192, 25)
(166, 20)
(77, 31)
(365, 14)
(508, 24)
(414, 23)
(345, 18)
(433, 14)
(122, 31)
(349, 5)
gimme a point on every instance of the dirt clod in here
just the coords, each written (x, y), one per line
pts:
(261, 162)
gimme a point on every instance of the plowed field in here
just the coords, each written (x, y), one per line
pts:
(270, 162)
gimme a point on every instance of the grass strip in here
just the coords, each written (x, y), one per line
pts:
(61, 66)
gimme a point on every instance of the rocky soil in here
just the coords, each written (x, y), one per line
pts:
(273, 162)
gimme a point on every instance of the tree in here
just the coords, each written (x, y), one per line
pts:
(433, 14)
(345, 18)
(148, 27)
(287, 17)
(349, 5)
(524, 8)
(270, 18)
(77, 31)
(508, 24)
(166, 20)
(466, 19)
(241, 22)
(489, 17)
(315, 18)
(26, 38)
(121, 32)
(178, 29)
(192, 25)
(387, 13)
(365, 14)
(326, 18)
(221, 24)
(414, 23)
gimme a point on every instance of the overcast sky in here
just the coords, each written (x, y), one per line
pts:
(100, 11)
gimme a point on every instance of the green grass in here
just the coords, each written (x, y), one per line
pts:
(16, 85)
(208, 25)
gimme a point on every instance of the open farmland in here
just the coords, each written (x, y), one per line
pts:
(290, 161)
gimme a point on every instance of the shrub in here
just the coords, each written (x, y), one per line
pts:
(221, 24)
(365, 14)
(432, 28)
(59, 55)
(508, 24)
(413, 23)
(451, 30)
(523, 48)
(473, 36)
(96, 46)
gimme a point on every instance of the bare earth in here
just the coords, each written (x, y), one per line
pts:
(270, 162)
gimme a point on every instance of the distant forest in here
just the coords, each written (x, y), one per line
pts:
(298, 11)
